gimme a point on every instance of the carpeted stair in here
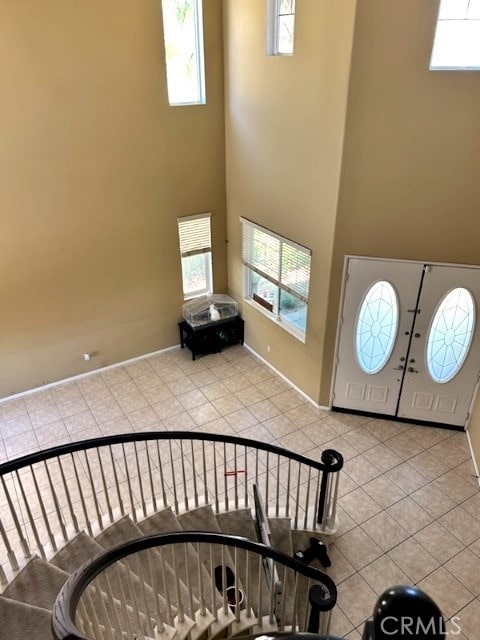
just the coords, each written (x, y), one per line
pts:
(26, 602)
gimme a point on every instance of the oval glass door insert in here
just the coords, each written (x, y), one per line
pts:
(450, 335)
(376, 327)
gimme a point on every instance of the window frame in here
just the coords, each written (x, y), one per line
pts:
(251, 269)
(450, 30)
(274, 16)
(194, 241)
(199, 47)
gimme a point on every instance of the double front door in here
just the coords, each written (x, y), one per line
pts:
(409, 341)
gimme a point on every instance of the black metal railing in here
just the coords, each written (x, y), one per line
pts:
(88, 484)
(296, 610)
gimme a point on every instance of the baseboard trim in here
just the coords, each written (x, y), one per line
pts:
(284, 377)
(79, 376)
(472, 454)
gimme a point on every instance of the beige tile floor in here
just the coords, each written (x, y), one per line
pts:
(409, 506)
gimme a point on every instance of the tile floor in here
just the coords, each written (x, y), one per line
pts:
(409, 506)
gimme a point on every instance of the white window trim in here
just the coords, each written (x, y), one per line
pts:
(247, 269)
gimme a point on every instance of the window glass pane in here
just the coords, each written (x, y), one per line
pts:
(453, 9)
(276, 275)
(286, 25)
(295, 269)
(264, 289)
(474, 10)
(183, 32)
(457, 36)
(376, 328)
(293, 310)
(265, 253)
(457, 44)
(286, 6)
(197, 274)
(450, 335)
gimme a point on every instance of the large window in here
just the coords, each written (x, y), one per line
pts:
(457, 36)
(183, 32)
(280, 27)
(276, 276)
(196, 254)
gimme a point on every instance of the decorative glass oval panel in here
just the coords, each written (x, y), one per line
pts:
(376, 329)
(450, 335)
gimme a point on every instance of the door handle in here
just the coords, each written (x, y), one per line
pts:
(399, 368)
(412, 370)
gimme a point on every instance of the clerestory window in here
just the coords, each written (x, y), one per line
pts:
(457, 36)
(184, 51)
(280, 27)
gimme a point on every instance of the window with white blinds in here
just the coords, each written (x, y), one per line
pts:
(276, 275)
(194, 234)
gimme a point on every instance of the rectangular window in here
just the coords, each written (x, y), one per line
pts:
(276, 276)
(457, 36)
(183, 33)
(280, 27)
(196, 252)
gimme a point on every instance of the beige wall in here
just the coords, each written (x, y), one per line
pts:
(409, 186)
(284, 135)
(474, 431)
(95, 168)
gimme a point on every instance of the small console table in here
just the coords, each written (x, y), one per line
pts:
(211, 337)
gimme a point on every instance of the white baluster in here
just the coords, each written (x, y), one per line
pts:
(43, 510)
(160, 465)
(82, 497)
(30, 517)
(104, 484)
(150, 478)
(68, 497)
(166, 588)
(307, 499)
(174, 480)
(289, 477)
(129, 485)
(56, 503)
(117, 484)
(140, 482)
(94, 490)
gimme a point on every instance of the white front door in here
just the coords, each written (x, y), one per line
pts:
(375, 326)
(444, 357)
(409, 342)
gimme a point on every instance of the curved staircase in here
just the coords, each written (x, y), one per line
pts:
(67, 505)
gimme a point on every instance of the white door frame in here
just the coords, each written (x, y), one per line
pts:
(346, 260)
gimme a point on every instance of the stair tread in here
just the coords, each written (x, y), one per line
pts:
(281, 535)
(77, 551)
(20, 621)
(161, 521)
(199, 519)
(237, 523)
(38, 584)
